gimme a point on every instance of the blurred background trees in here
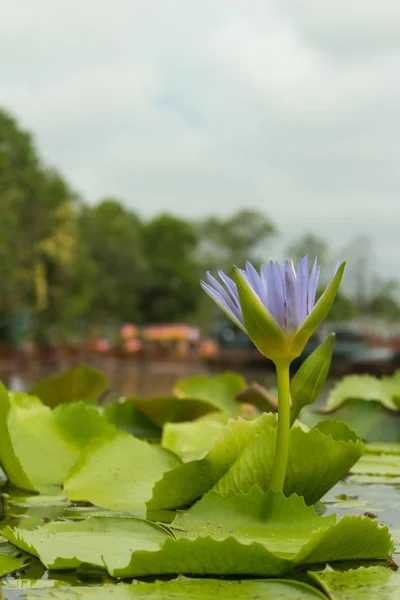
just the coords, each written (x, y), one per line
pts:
(63, 260)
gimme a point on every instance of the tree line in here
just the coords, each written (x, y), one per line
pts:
(63, 260)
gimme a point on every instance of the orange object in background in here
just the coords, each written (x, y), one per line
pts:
(209, 348)
(129, 331)
(132, 345)
(171, 333)
(102, 345)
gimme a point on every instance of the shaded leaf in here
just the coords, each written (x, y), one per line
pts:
(318, 459)
(125, 416)
(119, 472)
(188, 482)
(369, 419)
(172, 408)
(359, 584)
(78, 383)
(243, 456)
(260, 397)
(219, 390)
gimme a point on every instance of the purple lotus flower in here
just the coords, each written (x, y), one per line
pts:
(287, 294)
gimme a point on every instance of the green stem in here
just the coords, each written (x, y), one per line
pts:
(283, 427)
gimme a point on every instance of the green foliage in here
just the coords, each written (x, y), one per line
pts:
(175, 589)
(78, 383)
(310, 378)
(230, 522)
(220, 390)
(255, 534)
(369, 405)
(119, 472)
(358, 584)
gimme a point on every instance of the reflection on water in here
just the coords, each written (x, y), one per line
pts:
(125, 379)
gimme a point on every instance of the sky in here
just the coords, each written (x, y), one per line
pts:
(202, 107)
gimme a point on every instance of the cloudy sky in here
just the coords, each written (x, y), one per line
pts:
(205, 106)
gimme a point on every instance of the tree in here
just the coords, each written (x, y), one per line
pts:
(241, 237)
(171, 290)
(38, 231)
(113, 236)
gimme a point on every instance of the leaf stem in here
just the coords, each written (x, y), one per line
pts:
(283, 427)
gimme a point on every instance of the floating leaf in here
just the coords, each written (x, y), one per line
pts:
(190, 481)
(78, 383)
(80, 423)
(219, 390)
(184, 588)
(172, 408)
(119, 473)
(365, 387)
(33, 452)
(243, 456)
(125, 416)
(9, 461)
(11, 560)
(100, 540)
(359, 584)
(318, 459)
(310, 378)
(369, 419)
(378, 464)
(254, 534)
(193, 439)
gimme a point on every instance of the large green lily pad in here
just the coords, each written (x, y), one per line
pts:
(190, 481)
(97, 541)
(38, 446)
(33, 452)
(244, 455)
(119, 473)
(254, 534)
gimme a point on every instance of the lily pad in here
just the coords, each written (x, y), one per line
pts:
(11, 559)
(359, 584)
(365, 387)
(378, 464)
(190, 481)
(254, 534)
(183, 588)
(33, 452)
(119, 473)
(80, 423)
(172, 408)
(78, 383)
(193, 439)
(317, 460)
(220, 390)
(100, 540)
(125, 416)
